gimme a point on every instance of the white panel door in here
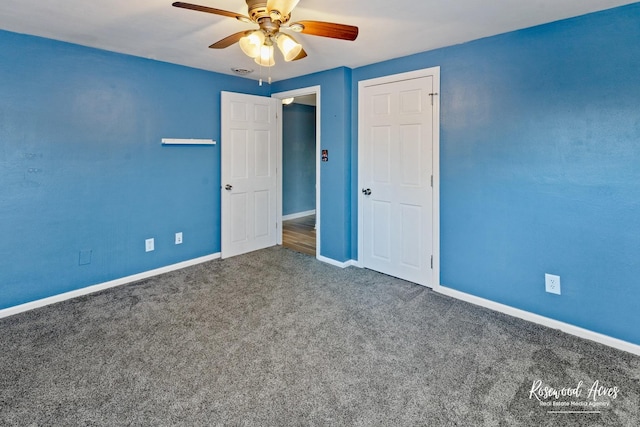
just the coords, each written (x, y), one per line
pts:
(248, 151)
(396, 178)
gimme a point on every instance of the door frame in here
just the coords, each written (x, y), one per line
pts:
(292, 94)
(435, 73)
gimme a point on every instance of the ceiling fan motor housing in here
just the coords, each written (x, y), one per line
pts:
(257, 10)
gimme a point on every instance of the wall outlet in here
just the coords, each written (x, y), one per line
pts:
(179, 238)
(149, 245)
(552, 283)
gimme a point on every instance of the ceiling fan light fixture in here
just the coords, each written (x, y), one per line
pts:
(252, 43)
(265, 58)
(288, 46)
(271, 16)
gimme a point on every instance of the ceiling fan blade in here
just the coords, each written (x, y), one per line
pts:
(209, 10)
(228, 41)
(328, 29)
(283, 6)
(301, 55)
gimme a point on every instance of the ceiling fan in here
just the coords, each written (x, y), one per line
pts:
(272, 16)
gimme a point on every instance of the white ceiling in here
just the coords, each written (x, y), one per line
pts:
(388, 28)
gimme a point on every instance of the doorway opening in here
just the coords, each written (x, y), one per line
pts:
(299, 170)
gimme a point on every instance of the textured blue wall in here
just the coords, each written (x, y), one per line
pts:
(82, 167)
(298, 158)
(335, 175)
(540, 167)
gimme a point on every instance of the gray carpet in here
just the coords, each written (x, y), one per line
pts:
(276, 338)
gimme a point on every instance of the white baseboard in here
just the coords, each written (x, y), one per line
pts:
(298, 215)
(344, 264)
(102, 286)
(511, 311)
(541, 320)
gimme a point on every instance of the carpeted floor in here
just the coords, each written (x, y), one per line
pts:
(276, 338)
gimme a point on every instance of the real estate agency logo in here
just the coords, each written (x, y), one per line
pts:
(578, 399)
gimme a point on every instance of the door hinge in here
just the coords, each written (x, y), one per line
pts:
(432, 95)
(432, 262)
(431, 181)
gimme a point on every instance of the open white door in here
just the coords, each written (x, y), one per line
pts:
(248, 151)
(398, 128)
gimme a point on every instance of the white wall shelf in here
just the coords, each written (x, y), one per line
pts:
(174, 141)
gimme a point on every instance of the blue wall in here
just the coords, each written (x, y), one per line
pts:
(335, 175)
(298, 158)
(82, 167)
(540, 167)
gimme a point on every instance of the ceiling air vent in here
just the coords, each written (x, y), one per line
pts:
(242, 71)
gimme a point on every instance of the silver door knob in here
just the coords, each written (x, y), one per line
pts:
(228, 187)
(366, 191)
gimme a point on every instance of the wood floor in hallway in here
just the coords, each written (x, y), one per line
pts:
(300, 234)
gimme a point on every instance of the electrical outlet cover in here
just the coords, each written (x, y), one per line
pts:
(552, 283)
(149, 245)
(179, 238)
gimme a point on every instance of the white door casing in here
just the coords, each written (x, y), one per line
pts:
(398, 162)
(248, 173)
(313, 90)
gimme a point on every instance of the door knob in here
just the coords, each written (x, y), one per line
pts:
(228, 187)
(366, 191)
